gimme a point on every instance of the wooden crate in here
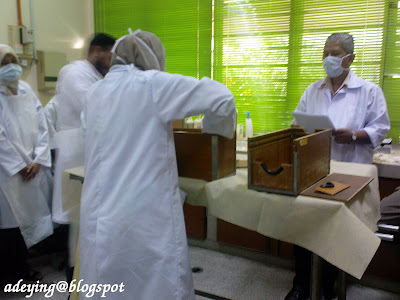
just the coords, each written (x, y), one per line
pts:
(288, 161)
(204, 156)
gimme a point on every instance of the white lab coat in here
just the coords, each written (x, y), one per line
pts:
(74, 80)
(23, 140)
(51, 118)
(360, 106)
(132, 224)
(63, 114)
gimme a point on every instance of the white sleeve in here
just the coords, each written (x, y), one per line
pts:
(177, 97)
(51, 120)
(377, 120)
(42, 149)
(302, 105)
(72, 86)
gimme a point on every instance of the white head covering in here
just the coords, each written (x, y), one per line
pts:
(141, 48)
(9, 87)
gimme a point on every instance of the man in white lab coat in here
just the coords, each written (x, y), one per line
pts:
(64, 111)
(63, 116)
(132, 226)
(357, 109)
(25, 178)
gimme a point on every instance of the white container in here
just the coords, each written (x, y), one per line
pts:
(249, 126)
(239, 131)
(198, 123)
(190, 123)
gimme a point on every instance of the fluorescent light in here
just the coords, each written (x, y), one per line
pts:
(78, 44)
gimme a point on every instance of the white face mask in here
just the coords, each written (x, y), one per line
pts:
(10, 72)
(333, 65)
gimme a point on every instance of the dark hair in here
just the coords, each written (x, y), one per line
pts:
(103, 40)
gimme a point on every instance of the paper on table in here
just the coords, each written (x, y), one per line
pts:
(311, 122)
(338, 187)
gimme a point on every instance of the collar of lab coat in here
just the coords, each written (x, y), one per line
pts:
(354, 82)
(130, 67)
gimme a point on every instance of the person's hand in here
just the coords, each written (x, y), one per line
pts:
(23, 173)
(342, 136)
(31, 171)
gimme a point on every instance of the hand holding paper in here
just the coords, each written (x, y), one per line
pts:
(310, 122)
(343, 136)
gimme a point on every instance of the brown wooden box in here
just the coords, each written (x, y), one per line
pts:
(195, 221)
(204, 156)
(288, 161)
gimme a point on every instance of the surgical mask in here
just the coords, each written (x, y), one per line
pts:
(10, 72)
(333, 65)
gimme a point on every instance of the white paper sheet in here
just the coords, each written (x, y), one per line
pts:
(311, 122)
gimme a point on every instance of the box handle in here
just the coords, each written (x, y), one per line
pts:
(265, 168)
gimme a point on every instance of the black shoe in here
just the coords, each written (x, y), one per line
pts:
(298, 293)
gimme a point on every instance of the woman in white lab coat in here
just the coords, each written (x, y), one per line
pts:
(25, 178)
(132, 225)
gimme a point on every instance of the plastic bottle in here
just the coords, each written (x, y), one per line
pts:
(239, 132)
(198, 122)
(249, 126)
(190, 123)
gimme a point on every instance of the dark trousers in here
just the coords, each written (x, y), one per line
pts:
(390, 208)
(13, 255)
(303, 270)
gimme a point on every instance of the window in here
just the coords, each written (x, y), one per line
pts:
(391, 78)
(268, 52)
(184, 27)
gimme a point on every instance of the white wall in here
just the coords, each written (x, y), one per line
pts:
(59, 24)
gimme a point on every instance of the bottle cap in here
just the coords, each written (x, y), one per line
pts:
(248, 115)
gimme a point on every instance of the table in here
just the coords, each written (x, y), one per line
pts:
(312, 223)
(340, 233)
(388, 165)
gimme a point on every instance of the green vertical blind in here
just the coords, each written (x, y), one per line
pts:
(364, 20)
(184, 27)
(391, 76)
(266, 51)
(251, 57)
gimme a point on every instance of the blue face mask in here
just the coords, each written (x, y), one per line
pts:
(10, 72)
(333, 65)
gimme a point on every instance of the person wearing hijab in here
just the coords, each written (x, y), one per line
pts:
(132, 226)
(25, 178)
(63, 115)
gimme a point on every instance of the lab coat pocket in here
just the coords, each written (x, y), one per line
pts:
(343, 118)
